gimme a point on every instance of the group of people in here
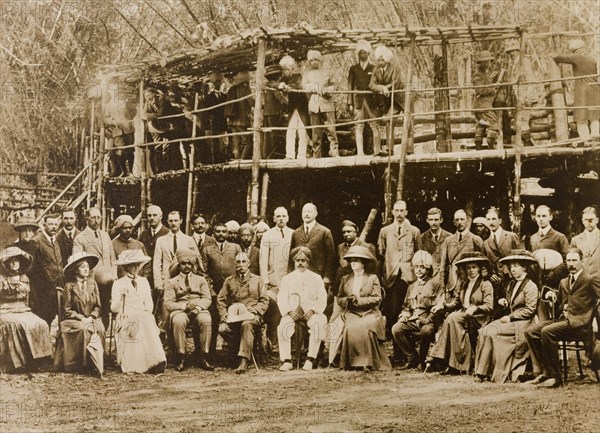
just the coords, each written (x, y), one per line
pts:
(302, 100)
(463, 302)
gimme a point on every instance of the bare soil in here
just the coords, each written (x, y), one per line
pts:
(323, 400)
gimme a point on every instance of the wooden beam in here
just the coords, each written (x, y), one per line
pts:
(258, 123)
(192, 163)
(407, 126)
(516, 208)
(441, 99)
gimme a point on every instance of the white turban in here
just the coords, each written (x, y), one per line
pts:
(576, 45)
(261, 225)
(232, 226)
(385, 52)
(287, 62)
(362, 45)
(313, 55)
(122, 219)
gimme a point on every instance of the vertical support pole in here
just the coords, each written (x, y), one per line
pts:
(518, 147)
(92, 154)
(140, 137)
(258, 123)
(561, 124)
(192, 164)
(389, 141)
(441, 99)
(407, 126)
(264, 193)
(102, 158)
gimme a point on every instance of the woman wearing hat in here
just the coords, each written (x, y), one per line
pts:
(363, 333)
(24, 337)
(502, 349)
(470, 307)
(81, 312)
(139, 348)
(27, 229)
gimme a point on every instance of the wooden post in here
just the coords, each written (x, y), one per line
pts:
(92, 154)
(192, 164)
(258, 123)
(561, 123)
(264, 193)
(407, 126)
(140, 137)
(441, 99)
(100, 196)
(518, 143)
(389, 142)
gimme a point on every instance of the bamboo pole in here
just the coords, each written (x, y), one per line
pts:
(100, 196)
(192, 164)
(144, 183)
(558, 100)
(389, 142)
(264, 193)
(516, 209)
(407, 126)
(258, 123)
(441, 99)
(368, 224)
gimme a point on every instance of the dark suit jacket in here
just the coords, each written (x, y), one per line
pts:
(149, 242)
(554, 241)
(219, 265)
(523, 304)
(76, 306)
(451, 252)
(482, 296)
(581, 298)
(508, 241)
(320, 243)
(47, 269)
(434, 248)
(66, 244)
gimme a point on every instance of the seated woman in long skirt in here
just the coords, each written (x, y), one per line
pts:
(82, 324)
(24, 337)
(470, 307)
(139, 348)
(502, 350)
(363, 332)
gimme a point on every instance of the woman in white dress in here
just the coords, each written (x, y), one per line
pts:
(139, 348)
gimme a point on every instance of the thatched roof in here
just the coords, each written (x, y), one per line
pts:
(230, 54)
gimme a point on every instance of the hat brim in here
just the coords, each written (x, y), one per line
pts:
(141, 261)
(517, 258)
(472, 260)
(485, 59)
(23, 226)
(359, 256)
(91, 259)
(240, 317)
(25, 260)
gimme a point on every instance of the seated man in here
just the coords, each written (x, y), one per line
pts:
(187, 299)
(302, 298)
(578, 294)
(416, 319)
(242, 288)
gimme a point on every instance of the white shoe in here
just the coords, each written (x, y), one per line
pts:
(286, 366)
(308, 365)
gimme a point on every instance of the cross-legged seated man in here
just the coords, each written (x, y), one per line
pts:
(301, 298)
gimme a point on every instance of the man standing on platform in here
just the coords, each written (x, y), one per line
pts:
(94, 240)
(589, 241)
(397, 244)
(47, 270)
(66, 236)
(487, 121)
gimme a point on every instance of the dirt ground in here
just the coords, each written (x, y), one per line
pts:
(323, 400)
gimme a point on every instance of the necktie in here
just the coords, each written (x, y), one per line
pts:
(187, 282)
(70, 236)
(436, 237)
(460, 237)
(153, 233)
(306, 230)
(199, 242)
(399, 231)
(174, 244)
(572, 282)
(84, 292)
(282, 235)
(96, 234)
(221, 247)
(134, 283)
(495, 240)
(52, 240)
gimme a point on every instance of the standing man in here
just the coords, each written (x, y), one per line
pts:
(363, 106)
(487, 121)
(577, 297)
(246, 235)
(462, 241)
(165, 253)
(188, 299)
(499, 245)
(350, 236)
(219, 262)
(433, 239)
(319, 82)
(94, 240)
(199, 227)
(319, 241)
(47, 270)
(589, 241)
(66, 236)
(273, 260)
(242, 288)
(124, 241)
(397, 245)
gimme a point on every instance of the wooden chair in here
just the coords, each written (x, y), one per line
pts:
(578, 344)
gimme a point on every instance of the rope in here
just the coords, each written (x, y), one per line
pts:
(200, 110)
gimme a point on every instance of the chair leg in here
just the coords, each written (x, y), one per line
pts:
(565, 364)
(597, 375)
(577, 352)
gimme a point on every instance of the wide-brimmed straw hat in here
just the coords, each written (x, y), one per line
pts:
(24, 223)
(359, 252)
(130, 257)
(77, 258)
(519, 255)
(24, 258)
(238, 313)
(472, 257)
(547, 258)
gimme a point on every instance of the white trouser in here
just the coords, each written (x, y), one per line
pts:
(317, 331)
(295, 125)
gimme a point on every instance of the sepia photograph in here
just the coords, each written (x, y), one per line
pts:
(335, 216)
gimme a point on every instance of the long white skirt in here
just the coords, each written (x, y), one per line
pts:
(138, 343)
